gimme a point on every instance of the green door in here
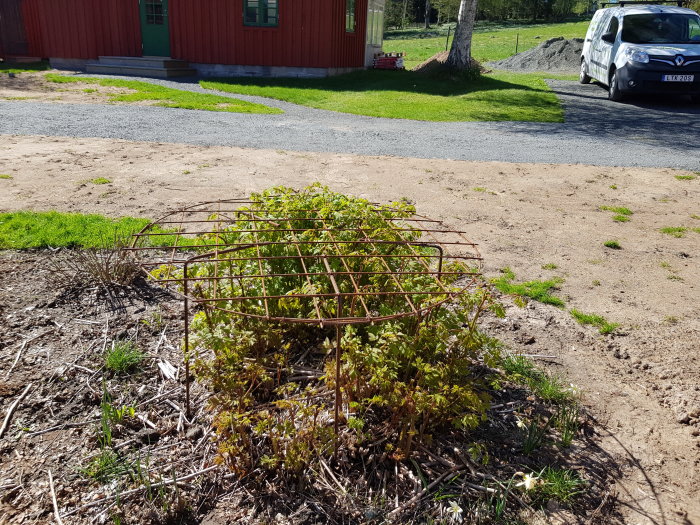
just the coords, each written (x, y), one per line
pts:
(155, 31)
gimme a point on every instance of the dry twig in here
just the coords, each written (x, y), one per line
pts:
(131, 492)
(12, 408)
(53, 499)
(415, 499)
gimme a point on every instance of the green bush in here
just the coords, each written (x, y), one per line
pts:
(273, 384)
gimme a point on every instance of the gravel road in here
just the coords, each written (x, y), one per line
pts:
(596, 131)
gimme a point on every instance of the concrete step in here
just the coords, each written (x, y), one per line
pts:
(140, 71)
(154, 62)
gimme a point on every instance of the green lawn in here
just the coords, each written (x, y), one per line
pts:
(27, 229)
(487, 44)
(22, 67)
(497, 96)
(167, 97)
(23, 230)
(407, 95)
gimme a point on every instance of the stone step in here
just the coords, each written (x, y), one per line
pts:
(154, 62)
(140, 71)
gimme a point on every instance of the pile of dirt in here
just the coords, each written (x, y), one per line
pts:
(437, 64)
(433, 64)
(555, 54)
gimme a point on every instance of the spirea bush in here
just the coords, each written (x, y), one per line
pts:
(272, 384)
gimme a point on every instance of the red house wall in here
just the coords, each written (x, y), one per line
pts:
(83, 29)
(311, 33)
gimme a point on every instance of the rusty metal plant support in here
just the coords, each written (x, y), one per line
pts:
(226, 235)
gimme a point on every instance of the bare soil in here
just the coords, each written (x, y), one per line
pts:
(641, 384)
(34, 87)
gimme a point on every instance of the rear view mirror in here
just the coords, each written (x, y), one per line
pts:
(608, 37)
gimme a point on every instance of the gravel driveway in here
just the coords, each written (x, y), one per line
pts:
(596, 131)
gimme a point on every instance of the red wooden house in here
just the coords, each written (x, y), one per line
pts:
(216, 37)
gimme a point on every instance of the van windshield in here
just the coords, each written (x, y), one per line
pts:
(661, 28)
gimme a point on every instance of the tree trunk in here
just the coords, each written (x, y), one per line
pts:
(428, 9)
(403, 16)
(460, 53)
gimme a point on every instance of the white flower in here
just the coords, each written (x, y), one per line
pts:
(529, 481)
(519, 423)
(455, 510)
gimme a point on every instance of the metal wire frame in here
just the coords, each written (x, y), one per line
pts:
(222, 239)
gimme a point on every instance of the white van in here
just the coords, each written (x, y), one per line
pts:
(643, 49)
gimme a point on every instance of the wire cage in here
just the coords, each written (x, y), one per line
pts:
(320, 266)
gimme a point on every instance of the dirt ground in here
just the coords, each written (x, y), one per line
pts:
(35, 88)
(642, 384)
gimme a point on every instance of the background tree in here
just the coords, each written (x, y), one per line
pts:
(460, 56)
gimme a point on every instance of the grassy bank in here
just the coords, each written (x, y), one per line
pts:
(23, 67)
(488, 44)
(408, 95)
(167, 97)
(27, 229)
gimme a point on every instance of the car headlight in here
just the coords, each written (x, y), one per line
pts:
(635, 54)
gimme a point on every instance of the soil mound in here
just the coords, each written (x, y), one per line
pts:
(434, 63)
(438, 64)
(555, 54)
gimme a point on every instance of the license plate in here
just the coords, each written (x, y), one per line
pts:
(678, 78)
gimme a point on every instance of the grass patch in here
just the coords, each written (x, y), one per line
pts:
(613, 186)
(674, 231)
(621, 214)
(5, 176)
(21, 67)
(167, 97)
(106, 466)
(123, 357)
(549, 266)
(26, 229)
(603, 325)
(679, 231)
(617, 210)
(536, 290)
(685, 177)
(406, 95)
(613, 245)
(521, 370)
(563, 485)
(487, 44)
(100, 180)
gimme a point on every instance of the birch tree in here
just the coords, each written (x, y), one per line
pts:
(460, 53)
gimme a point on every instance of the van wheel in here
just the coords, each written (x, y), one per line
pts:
(614, 92)
(583, 77)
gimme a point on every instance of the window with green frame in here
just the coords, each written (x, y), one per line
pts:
(350, 16)
(260, 12)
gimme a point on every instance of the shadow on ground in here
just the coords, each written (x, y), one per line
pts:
(672, 122)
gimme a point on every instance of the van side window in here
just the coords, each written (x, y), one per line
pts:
(694, 30)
